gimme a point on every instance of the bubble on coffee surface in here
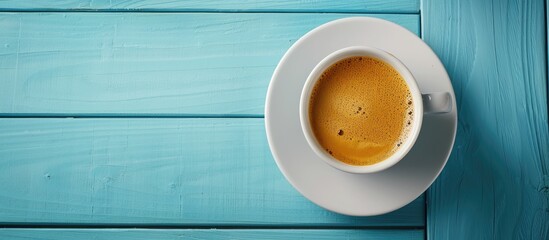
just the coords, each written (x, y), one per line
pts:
(361, 110)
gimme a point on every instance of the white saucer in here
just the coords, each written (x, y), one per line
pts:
(332, 189)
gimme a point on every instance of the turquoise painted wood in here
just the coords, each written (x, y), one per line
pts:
(196, 234)
(496, 183)
(147, 63)
(370, 6)
(186, 58)
(185, 172)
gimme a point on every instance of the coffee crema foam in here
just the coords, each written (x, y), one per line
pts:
(361, 110)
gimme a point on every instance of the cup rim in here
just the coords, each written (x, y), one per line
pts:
(367, 52)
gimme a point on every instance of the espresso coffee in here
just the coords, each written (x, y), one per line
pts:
(361, 110)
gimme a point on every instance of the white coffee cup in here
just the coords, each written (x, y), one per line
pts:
(424, 104)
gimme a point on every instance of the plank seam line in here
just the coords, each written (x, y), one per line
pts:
(546, 55)
(129, 115)
(220, 227)
(7, 10)
(426, 198)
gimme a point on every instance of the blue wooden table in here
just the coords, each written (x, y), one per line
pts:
(143, 119)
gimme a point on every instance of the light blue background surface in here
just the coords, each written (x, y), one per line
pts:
(149, 114)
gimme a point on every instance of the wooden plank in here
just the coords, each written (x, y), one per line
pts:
(136, 234)
(144, 63)
(363, 6)
(496, 183)
(190, 172)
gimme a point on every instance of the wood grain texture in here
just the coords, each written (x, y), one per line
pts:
(136, 234)
(496, 183)
(370, 6)
(185, 172)
(147, 63)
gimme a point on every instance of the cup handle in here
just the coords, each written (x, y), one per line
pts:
(436, 103)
